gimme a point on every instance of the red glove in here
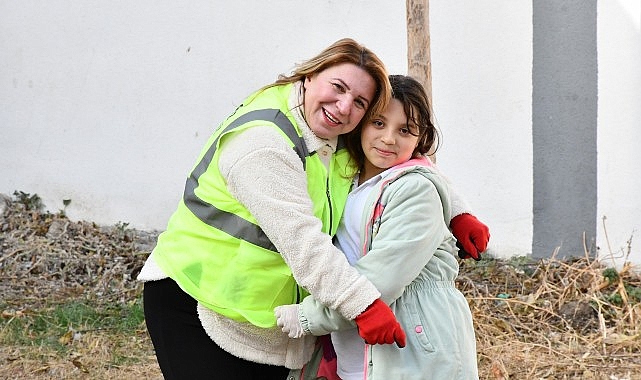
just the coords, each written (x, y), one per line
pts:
(472, 236)
(378, 325)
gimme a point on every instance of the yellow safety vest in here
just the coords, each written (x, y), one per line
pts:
(214, 248)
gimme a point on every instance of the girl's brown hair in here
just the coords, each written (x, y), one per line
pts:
(417, 107)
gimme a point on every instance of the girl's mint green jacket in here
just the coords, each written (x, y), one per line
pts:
(410, 255)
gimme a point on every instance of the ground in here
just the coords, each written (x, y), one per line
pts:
(72, 310)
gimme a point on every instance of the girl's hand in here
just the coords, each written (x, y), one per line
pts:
(287, 320)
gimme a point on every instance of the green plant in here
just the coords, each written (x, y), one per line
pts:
(65, 204)
(611, 275)
(46, 326)
(31, 202)
(634, 293)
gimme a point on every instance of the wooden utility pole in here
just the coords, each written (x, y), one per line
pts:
(418, 45)
(418, 42)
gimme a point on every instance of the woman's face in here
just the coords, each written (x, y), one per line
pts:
(388, 139)
(337, 98)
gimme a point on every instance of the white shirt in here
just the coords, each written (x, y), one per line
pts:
(349, 346)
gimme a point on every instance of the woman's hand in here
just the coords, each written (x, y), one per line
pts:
(472, 236)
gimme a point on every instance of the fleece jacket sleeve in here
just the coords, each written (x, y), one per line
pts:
(265, 175)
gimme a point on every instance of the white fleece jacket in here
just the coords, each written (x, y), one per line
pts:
(266, 176)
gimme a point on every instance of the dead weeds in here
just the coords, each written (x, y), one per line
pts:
(48, 262)
(534, 319)
(551, 319)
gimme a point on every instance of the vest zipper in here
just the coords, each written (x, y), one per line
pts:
(329, 201)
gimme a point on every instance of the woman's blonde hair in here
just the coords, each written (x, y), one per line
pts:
(347, 50)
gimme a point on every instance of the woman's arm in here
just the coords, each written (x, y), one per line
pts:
(472, 235)
(267, 177)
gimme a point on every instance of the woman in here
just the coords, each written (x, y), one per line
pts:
(395, 230)
(252, 231)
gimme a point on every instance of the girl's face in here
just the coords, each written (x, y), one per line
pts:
(337, 98)
(387, 140)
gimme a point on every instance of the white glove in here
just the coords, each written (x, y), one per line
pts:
(287, 320)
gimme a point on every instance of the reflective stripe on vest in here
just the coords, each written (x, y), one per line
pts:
(226, 221)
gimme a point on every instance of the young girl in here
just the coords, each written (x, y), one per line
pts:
(395, 231)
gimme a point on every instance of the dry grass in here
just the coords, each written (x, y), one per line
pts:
(70, 308)
(552, 319)
(546, 319)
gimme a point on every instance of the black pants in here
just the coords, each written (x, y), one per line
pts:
(183, 348)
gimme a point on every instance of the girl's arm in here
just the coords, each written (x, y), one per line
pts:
(411, 230)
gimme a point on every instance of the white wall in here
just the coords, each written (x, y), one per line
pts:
(108, 103)
(482, 91)
(619, 129)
